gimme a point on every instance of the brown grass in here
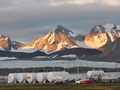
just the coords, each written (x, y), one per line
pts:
(60, 87)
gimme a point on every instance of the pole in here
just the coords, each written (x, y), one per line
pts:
(77, 67)
(23, 67)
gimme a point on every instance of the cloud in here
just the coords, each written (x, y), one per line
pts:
(62, 2)
(112, 2)
(17, 10)
(83, 2)
(37, 17)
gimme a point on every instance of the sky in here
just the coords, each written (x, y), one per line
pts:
(27, 20)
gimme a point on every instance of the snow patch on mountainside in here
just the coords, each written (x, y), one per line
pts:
(111, 37)
(51, 38)
(59, 46)
(45, 47)
(81, 43)
(30, 50)
(108, 27)
(41, 57)
(1, 48)
(7, 58)
(118, 27)
(70, 55)
(73, 34)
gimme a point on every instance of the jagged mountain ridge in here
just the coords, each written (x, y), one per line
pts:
(61, 38)
(110, 54)
(62, 41)
(7, 44)
(58, 39)
(101, 35)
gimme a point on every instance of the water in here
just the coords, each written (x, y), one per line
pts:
(56, 63)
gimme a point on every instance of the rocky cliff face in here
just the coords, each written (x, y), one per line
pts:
(112, 52)
(7, 44)
(58, 39)
(63, 41)
(61, 38)
(101, 35)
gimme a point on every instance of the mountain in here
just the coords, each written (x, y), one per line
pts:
(58, 39)
(101, 36)
(21, 55)
(112, 52)
(75, 52)
(7, 44)
(61, 42)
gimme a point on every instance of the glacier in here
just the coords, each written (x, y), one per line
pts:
(56, 63)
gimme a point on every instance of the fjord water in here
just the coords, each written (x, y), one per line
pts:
(56, 63)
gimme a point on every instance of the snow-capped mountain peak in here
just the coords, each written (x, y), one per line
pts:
(60, 29)
(101, 35)
(62, 38)
(59, 38)
(5, 43)
(97, 29)
(74, 37)
(108, 27)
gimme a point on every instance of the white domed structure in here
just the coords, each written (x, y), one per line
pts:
(12, 78)
(21, 77)
(31, 77)
(42, 77)
(51, 75)
(95, 73)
